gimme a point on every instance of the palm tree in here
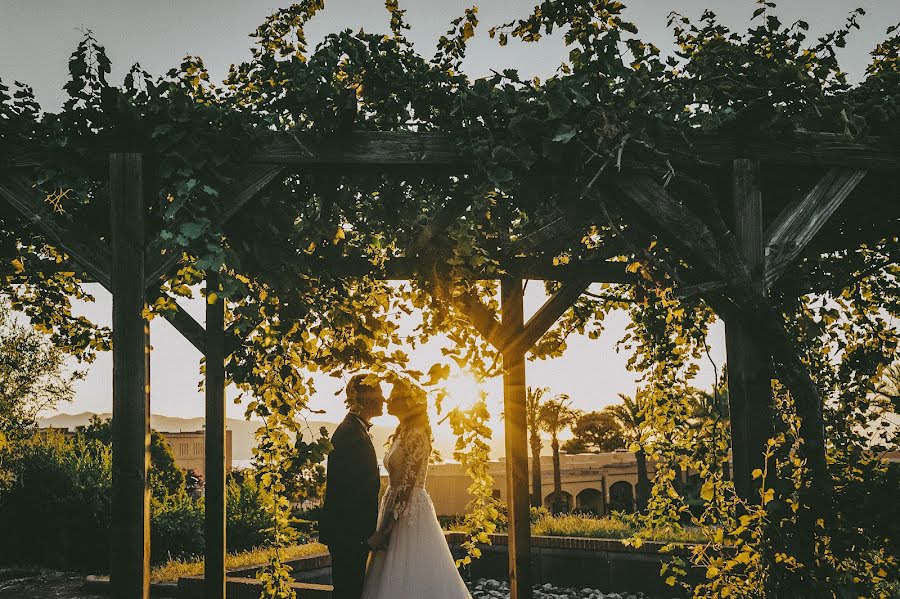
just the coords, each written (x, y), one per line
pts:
(630, 415)
(556, 415)
(533, 402)
(705, 407)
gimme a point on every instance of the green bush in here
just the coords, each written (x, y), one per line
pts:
(176, 528)
(57, 508)
(248, 516)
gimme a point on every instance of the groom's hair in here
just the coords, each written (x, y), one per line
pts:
(358, 392)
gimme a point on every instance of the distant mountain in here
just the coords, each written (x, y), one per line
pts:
(243, 431)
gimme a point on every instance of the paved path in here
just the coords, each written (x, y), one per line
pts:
(19, 584)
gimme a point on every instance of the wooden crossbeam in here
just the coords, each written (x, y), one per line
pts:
(675, 221)
(95, 260)
(800, 221)
(388, 149)
(409, 149)
(376, 148)
(482, 318)
(253, 180)
(548, 314)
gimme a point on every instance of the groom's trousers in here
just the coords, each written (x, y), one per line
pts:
(348, 570)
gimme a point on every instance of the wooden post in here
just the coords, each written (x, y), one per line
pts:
(215, 500)
(749, 364)
(130, 563)
(512, 325)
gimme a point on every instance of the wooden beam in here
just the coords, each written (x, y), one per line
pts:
(797, 149)
(94, 259)
(184, 323)
(29, 201)
(360, 148)
(402, 268)
(409, 148)
(548, 314)
(386, 149)
(481, 317)
(749, 362)
(515, 422)
(253, 180)
(130, 567)
(799, 222)
(676, 223)
(215, 495)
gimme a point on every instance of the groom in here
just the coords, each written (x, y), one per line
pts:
(350, 512)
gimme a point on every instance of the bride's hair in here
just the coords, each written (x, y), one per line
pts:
(416, 417)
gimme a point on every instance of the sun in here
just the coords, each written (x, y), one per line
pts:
(463, 390)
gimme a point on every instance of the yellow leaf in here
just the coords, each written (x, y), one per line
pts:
(712, 572)
(670, 581)
(17, 265)
(756, 473)
(707, 491)
(212, 298)
(633, 267)
(768, 495)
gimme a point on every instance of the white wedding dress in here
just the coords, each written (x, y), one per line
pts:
(417, 563)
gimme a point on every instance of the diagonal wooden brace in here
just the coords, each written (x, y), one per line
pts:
(94, 259)
(800, 221)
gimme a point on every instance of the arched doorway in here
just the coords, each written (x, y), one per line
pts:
(621, 497)
(590, 500)
(559, 504)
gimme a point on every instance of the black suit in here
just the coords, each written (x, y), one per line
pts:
(350, 513)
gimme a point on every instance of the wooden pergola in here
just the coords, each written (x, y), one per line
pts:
(132, 268)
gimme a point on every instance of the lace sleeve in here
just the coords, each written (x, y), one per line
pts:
(415, 450)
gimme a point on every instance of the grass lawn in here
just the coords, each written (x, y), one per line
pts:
(172, 570)
(580, 525)
(597, 527)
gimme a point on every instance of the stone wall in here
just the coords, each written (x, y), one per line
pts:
(562, 561)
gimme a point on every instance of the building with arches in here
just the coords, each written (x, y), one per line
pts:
(597, 483)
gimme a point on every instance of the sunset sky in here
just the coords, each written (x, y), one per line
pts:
(37, 36)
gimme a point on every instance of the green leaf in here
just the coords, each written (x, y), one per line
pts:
(565, 133)
(558, 103)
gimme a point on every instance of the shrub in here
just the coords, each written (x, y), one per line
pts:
(176, 528)
(248, 516)
(57, 507)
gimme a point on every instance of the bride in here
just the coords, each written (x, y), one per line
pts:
(411, 558)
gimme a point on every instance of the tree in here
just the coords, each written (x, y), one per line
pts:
(32, 377)
(630, 414)
(556, 415)
(166, 478)
(597, 432)
(533, 397)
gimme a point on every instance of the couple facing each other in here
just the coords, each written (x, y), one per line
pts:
(397, 550)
